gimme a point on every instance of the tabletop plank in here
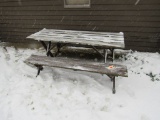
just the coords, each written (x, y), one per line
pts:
(103, 39)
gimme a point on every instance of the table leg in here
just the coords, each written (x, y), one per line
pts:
(112, 54)
(48, 48)
(45, 46)
(58, 49)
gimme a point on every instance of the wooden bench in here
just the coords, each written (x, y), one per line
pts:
(111, 70)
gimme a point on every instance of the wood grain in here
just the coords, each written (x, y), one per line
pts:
(76, 64)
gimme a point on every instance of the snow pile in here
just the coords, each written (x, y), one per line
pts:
(59, 94)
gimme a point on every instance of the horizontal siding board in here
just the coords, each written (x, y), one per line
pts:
(89, 12)
(94, 8)
(100, 28)
(40, 2)
(125, 2)
(132, 39)
(141, 43)
(133, 30)
(145, 49)
(82, 27)
(84, 18)
(81, 23)
(33, 3)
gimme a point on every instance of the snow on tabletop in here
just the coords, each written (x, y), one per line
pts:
(83, 37)
(60, 94)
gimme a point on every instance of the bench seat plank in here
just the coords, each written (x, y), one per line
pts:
(75, 64)
(102, 39)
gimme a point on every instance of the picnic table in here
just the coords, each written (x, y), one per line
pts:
(51, 38)
(60, 38)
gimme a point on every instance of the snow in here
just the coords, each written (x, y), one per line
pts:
(79, 67)
(137, 2)
(60, 94)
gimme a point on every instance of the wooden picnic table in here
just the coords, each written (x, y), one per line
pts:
(60, 38)
(51, 38)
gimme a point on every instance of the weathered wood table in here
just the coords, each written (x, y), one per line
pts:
(60, 38)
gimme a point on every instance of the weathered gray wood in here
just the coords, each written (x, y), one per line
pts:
(103, 39)
(75, 64)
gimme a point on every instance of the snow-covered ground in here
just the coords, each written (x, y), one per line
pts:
(59, 94)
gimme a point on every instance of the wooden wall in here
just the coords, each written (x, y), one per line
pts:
(138, 19)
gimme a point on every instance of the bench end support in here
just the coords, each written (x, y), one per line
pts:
(40, 68)
(113, 89)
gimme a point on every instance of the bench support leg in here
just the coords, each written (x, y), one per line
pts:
(113, 89)
(40, 68)
(112, 78)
